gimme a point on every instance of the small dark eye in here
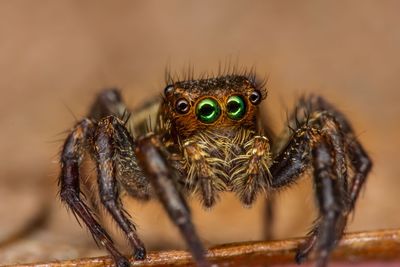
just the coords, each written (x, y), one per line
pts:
(168, 90)
(182, 106)
(255, 97)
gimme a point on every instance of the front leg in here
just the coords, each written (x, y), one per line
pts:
(115, 158)
(108, 102)
(322, 140)
(69, 182)
(153, 160)
(204, 172)
(310, 147)
(250, 174)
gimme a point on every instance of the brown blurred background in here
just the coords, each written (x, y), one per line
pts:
(55, 56)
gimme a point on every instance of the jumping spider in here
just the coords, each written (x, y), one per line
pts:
(208, 138)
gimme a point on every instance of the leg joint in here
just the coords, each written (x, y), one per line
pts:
(69, 195)
(364, 165)
(108, 199)
(110, 120)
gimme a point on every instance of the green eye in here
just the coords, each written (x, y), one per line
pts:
(236, 107)
(208, 110)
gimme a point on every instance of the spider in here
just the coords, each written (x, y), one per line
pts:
(208, 138)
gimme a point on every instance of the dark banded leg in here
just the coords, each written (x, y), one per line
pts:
(153, 160)
(362, 165)
(71, 158)
(108, 102)
(114, 153)
(330, 196)
(309, 146)
(320, 141)
(359, 159)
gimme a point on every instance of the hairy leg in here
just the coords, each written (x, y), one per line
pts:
(203, 172)
(319, 139)
(115, 158)
(154, 161)
(71, 159)
(108, 102)
(330, 197)
(250, 174)
(359, 159)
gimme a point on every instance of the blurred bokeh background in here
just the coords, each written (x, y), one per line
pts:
(56, 55)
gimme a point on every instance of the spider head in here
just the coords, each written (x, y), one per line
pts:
(224, 104)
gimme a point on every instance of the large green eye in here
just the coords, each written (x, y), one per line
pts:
(208, 110)
(236, 107)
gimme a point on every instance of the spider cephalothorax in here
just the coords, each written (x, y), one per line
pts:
(208, 138)
(214, 121)
(219, 104)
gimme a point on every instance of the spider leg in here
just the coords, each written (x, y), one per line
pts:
(153, 159)
(203, 172)
(311, 146)
(108, 102)
(71, 158)
(358, 157)
(362, 165)
(320, 140)
(115, 158)
(330, 196)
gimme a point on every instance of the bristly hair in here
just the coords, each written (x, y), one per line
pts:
(224, 69)
(187, 74)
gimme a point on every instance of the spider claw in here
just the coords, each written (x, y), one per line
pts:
(122, 262)
(140, 253)
(300, 257)
(304, 249)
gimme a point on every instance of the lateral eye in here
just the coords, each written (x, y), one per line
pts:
(182, 106)
(208, 110)
(168, 90)
(255, 97)
(236, 107)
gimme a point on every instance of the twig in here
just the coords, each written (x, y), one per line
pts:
(355, 247)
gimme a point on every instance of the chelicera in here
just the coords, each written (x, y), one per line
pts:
(208, 138)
